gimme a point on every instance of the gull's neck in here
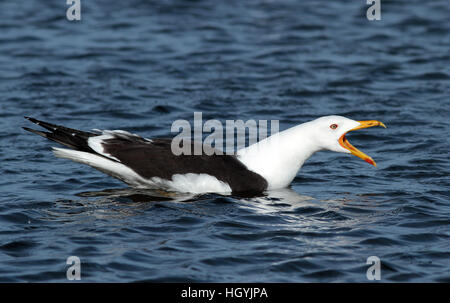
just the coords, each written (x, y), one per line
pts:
(279, 157)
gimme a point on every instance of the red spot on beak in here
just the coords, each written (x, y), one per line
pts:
(370, 161)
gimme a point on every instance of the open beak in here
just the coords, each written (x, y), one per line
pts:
(354, 151)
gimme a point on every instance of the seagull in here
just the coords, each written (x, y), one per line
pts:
(269, 164)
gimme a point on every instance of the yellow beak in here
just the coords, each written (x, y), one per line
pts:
(354, 151)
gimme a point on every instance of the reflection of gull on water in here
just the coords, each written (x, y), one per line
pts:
(139, 195)
(272, 200)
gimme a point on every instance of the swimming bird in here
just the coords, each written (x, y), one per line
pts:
(269, 164)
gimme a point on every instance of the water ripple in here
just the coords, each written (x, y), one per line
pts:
(141, 65)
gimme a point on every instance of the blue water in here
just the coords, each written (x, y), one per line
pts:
(140, 65)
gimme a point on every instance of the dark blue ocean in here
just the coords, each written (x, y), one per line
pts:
(140, 65)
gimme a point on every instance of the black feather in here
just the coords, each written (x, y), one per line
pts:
(69, 137)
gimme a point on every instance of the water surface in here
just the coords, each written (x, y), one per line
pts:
(139, 65)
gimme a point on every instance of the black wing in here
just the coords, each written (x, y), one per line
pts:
(156, 159)
(69, 137)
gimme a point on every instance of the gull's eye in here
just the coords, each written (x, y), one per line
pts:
(333, 126)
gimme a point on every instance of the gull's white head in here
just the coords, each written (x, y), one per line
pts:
(278, 158)
(329, 133)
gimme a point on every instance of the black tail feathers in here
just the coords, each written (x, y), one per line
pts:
(69, 137)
